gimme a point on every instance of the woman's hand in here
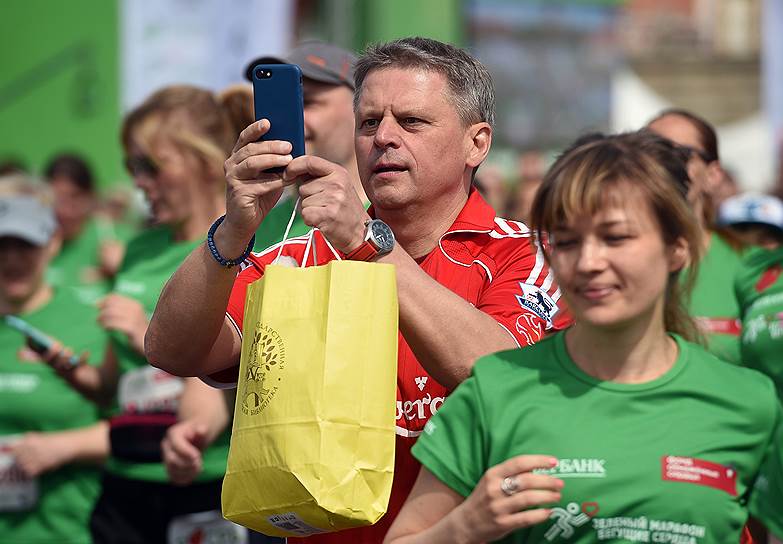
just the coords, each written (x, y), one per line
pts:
(182, 447)
(508, 497)
(126, 315)
(37, 453)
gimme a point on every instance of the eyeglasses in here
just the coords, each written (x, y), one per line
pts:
(141, 165)
(691, 151)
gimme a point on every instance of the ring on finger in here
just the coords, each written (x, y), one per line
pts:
(510, 485)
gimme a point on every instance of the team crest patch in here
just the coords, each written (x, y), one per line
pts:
(537, 301)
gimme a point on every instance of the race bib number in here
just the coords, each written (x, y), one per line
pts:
(205, 528)
(18, 493)
(149, 389)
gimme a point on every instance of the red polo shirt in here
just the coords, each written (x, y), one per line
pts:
(486, 260)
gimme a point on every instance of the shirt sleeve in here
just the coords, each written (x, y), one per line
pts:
(452, 445)
(766, 501)
(236, 301)
(523, 297)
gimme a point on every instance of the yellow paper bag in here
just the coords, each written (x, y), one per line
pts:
(312, 447)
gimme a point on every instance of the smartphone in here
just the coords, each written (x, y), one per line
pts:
(277, 96)
(38, 341)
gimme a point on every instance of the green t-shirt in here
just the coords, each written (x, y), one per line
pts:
(34, 398)
(76, 266)
(670, 460)
(713, 303)
(151, 258)
(272, 228)
(759, 288)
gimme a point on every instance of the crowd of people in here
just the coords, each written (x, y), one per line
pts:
(609, 369)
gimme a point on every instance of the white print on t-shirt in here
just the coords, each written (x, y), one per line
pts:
(19, 383)
(129, 287)
(17, 492)
(205, 527)
(565, 520)
(421, 408)
(642, 529)
(577, 468)
(421, 382)
(772, 323)
(764, 301)
(149, 389)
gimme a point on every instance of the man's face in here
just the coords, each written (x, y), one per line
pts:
(328, 121)
(411, 145)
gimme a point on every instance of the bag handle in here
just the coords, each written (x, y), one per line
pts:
(310, 241)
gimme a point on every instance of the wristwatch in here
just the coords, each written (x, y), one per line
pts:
(379, 240)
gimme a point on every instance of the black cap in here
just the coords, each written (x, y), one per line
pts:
(318, 60)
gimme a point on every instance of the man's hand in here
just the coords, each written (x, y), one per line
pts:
(250, 192)
(328, 200)
(126, 315)
(182, 447)
(37, 453)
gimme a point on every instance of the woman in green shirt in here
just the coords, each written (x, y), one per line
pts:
(619, 428)
(51, 439)
(169, 436)
(712, 301)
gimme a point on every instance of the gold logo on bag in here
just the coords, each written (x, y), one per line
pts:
(264, 370)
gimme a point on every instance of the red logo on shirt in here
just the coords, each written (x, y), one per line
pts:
(698, 471)
(769, 277)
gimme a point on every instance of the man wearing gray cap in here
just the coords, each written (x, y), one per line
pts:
(328, 87)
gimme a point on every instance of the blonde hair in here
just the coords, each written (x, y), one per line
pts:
(591, 172)
(194, 119)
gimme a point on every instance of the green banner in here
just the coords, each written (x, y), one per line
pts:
(59, 83)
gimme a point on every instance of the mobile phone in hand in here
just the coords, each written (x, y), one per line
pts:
(37, 340)
(277, 96)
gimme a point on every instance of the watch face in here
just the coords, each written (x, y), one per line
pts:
(382, 236)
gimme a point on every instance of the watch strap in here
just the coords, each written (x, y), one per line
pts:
(364, 252)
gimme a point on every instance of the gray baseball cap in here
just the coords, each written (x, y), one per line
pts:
(318, 60)
(27, 218)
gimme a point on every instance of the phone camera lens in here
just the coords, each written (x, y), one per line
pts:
(259, 73)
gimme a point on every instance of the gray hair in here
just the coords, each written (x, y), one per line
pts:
(469, 81)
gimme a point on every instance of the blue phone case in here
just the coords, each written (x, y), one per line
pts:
(37, 340)
(277, 96)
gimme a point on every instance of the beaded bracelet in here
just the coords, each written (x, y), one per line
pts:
(222, 261)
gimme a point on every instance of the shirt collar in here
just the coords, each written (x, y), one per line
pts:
(476, 215)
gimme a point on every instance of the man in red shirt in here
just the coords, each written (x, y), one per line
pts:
(468, 283)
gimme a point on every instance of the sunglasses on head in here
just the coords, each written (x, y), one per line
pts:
(141, 165)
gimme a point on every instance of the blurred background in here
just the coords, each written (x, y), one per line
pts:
(561, 67)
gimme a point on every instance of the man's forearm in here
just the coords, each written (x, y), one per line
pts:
(446, 333)
(189, 315)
